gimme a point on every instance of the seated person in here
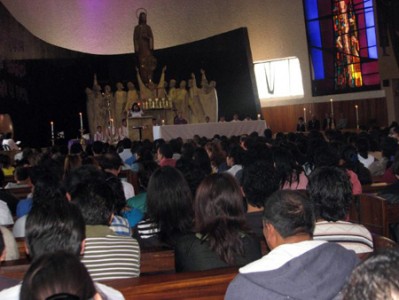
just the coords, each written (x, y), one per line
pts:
(7, 168)
(58, 275)
(301, 126)
(106, 255)
(297, 267)
(21, 177)
(179, 119)
(58, 226)
(330, 190)
(222, 239)
(165, 156)
(375, 278)
(258, 182)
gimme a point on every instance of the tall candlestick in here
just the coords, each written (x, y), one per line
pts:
(304, 114)
(332, 106)
(81, 121)
(258, 116)
(357, 116)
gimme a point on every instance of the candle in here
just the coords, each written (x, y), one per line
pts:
(52, 129)
(258, 116)
(304, 114)
(81, 121)
(357, 116)
(163, 122)
(332, 107)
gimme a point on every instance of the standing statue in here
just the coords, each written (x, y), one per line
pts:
(120, 104)
(143, 47)
(151, 90)
(209, 98)
(197, 111)
(180, 103)
(110, 103)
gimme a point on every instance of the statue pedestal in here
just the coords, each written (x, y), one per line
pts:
(140, 128)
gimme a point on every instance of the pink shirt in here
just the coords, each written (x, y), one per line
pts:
(301, 185)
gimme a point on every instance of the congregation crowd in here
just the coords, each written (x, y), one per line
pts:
(214, 202)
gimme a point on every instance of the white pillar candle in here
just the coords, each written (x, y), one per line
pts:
(332, 107)
(304, 114)
(81, 121)
(357, 116)
(258, 116)
(52, 129)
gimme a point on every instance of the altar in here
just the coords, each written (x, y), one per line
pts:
(187, 131)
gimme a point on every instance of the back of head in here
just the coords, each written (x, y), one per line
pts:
(55, 228)
(290, 212)
(330, 190)
(58, 275)
(169, 202)
(218, 201)
(110, 161)
(91, 193)
(259, 181)
(127, 143)
(220, 216)
(21, 173)
(48, 191)
(376, 278)
(166, 150)
(98, 147)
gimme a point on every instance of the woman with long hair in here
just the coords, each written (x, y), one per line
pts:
(290, 174)
(222, 238)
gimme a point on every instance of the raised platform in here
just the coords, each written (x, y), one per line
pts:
(187, 131)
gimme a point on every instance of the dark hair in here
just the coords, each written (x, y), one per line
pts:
(166, 150)
(202, 160)
(110, 161)
(220, 216)
(169, 202)
(48, 191)
(21, 173)
(259, 181)
(60, 273)
(116, 186)
(363, 147)
(97, 147)
(145, 171)
(76, 148)
(127, 143)
(91, 193)
(287, 169)
(191, 172)
(324, 156)
(72, 161)
(59, 227)
(2, 244)
(290, 212)
(331, 192)
(375, 278)
(236, 153)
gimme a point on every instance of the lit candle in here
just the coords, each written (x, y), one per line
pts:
(258, 116)
(357, 116)
(52, 129)
(304, 114)
(163, 122)
(81, 121)
(332, 106)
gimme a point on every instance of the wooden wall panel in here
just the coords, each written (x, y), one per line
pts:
(284, 118)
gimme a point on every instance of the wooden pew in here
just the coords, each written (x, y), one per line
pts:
(374, 187)
(20, 192)
(375, 213)
(210, 284)
(154, 260)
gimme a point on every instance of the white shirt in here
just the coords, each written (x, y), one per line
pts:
(5, 214)
(128, 189)
(12, 293)
(280, 256)
(19, 227)
(366, 161)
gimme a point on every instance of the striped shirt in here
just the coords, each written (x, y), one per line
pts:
(109, 256)
(351, 236)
